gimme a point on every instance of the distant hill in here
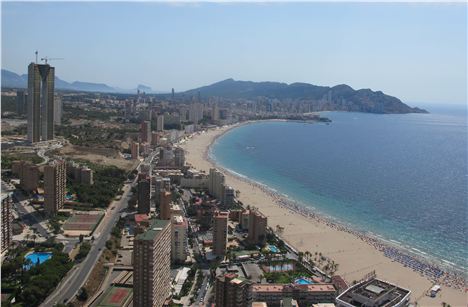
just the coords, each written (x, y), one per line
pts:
(13, 80)
(337, 98)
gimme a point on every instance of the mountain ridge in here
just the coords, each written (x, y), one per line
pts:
(340, 97)
(13, 80)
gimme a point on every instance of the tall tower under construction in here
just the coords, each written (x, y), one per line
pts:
(40, 102)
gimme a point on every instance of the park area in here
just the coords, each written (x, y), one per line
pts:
(82, 224)
(116, 296)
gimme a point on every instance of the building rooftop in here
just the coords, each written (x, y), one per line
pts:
(284, 287)
(374, 292)
(153, 230)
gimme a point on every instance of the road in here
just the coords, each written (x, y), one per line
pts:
(30, 218)
(75, 279)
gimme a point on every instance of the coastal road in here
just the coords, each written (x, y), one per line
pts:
(78, 275)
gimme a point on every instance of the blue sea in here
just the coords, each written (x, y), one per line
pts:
(401, 177)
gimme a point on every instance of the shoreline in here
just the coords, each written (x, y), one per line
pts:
(419, 274)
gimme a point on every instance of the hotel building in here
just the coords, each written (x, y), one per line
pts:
(220, 229)
(179, 239)
(55, 180)
(152, 265)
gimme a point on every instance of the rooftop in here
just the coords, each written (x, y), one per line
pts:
(375, 292)
(153, 230)
(285, 287)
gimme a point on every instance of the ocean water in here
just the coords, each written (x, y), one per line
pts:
(401, 177)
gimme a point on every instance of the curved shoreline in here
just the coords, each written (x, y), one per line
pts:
(417, 263)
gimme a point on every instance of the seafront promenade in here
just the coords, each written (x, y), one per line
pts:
(356, 253)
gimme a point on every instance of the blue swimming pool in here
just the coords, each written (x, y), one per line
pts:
(303, 281)
(273, 248)
(37, 258)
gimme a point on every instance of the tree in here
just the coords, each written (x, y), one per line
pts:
(83, 294)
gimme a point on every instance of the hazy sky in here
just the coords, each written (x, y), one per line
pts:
(416, 52)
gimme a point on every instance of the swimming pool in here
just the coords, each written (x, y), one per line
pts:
(303, 281)
(273, 248)
(37, 258)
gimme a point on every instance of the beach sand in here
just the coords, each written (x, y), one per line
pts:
(354, 256)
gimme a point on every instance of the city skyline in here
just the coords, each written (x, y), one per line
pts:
(418, 57)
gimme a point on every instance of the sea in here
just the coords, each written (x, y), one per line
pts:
(400, 177)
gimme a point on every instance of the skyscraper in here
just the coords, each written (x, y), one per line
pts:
(40, 102)
(145, 132)
(165, 205)
(257, 227)
(160, 122)
(144, 195)
(220, 222)
(179, 157)
(7, 219)
(216, 183)
(55, 179)
(179, 239)
(152, 265)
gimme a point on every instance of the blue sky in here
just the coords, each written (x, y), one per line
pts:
(416, 52)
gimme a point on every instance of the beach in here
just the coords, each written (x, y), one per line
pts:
(356, 254)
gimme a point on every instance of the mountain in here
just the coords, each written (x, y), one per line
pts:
(13, 80)
(337, 98)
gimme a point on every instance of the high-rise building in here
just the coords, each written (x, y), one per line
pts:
(228, 196)
(21, 102)
(215, 113)
(160, 122)
(220, 229)
(165, 205)
(144, 195)
(7, 219)
(179, 157)
(40, 102)
(257, 227)
(195, 113)
(216, 183)
(152, 265)
(55, 179)
(28, 174)
(232, 291)
(58, 110)
(154, 138)
(179, 239)
(135, 150)
(145, 132)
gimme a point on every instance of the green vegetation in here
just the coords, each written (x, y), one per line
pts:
(108, 180)
(8, 104)
(32, 286)
(94, 113)
(7, 159)
(85, 247)
(91, 136)
(286, 277)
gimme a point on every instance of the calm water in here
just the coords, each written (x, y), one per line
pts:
(403, 177)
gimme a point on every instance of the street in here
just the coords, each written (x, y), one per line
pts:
(78, 275)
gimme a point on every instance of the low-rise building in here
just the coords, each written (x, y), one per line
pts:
(374, 292)
(305, 295)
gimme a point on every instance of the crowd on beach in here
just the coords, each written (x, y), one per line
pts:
(433, 272)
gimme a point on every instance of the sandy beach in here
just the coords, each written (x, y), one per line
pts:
(356, 255)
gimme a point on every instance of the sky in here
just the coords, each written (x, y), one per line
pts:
(414, 51)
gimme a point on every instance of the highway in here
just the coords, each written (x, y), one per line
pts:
(78, 275)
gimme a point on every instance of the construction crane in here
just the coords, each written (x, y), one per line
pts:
(45, 59)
